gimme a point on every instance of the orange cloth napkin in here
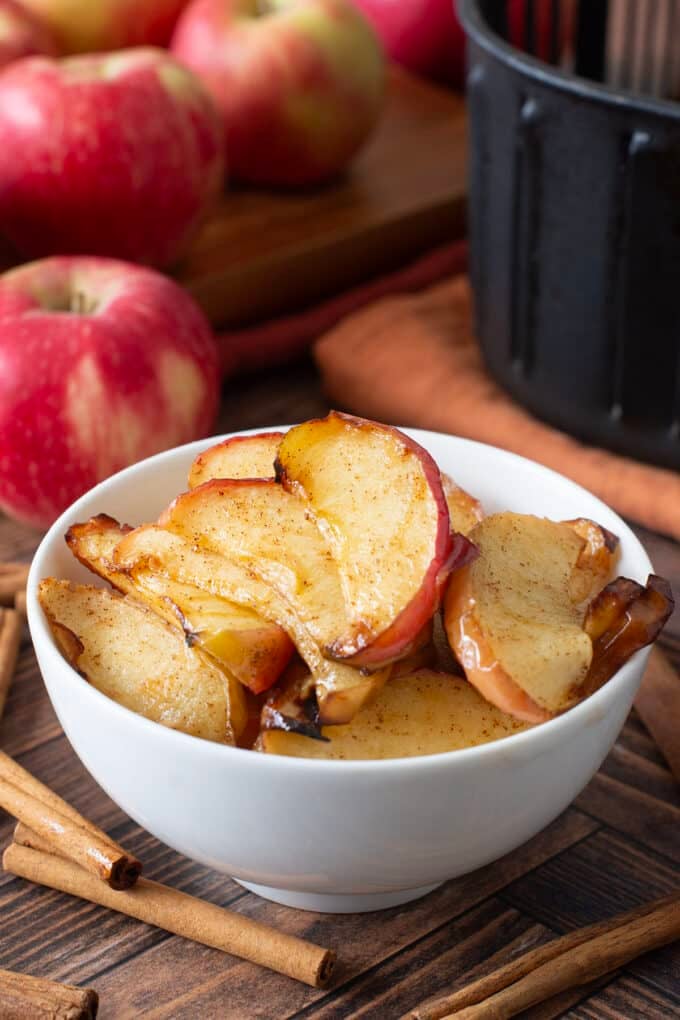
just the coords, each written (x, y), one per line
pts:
(413, 360)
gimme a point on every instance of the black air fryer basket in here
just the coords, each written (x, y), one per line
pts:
(575, 216)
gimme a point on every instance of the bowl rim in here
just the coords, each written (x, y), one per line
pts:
(537, 739)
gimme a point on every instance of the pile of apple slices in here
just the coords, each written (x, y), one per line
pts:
(289, 600)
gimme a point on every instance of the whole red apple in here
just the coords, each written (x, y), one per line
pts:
(21, 34)
(84, 26)
(299, 83)
(102, 363)
(424, 36)
(116, 154)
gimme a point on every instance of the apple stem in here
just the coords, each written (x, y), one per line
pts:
(79, 303)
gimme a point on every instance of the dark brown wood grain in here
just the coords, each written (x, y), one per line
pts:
(617, 847)
(658, 705)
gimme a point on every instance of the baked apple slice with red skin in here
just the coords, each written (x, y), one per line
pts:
(248, 647)
(376, 495)
(237, 457)
(254, 457)
(516, 618)
(511, 620)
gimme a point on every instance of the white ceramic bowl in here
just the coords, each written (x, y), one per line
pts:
(331, 835)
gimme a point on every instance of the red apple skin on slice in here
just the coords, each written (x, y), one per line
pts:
(237, 457)
(512, 619)
(377, 497)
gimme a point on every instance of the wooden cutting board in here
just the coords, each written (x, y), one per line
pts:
(262, 254)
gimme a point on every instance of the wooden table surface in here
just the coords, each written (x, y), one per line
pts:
(618, 845)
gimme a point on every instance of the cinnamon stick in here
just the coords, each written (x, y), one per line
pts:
(526, 963)
(63, 827)
(20, 602)
(13, 577)
(181, 914)
(80, 845)
(10, 639)
(514, 988)
(658, 705)
(23, 997)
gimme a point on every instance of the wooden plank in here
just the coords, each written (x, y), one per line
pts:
(560, 1004)
(658, 704)
(291, 395)
(452, 956)
(635, 738)
(447, 960)
(45, 932)
(597, 878)
(650, 777)
(55, 764)
(627, 999)
(264, 253)
(648, 820)
(202, 982)
(29, 719)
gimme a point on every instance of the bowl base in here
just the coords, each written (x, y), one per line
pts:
(336, 903)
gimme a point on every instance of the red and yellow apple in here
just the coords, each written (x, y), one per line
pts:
(84, 26)
(118, 154)
(21, 34)
(424, 36)
(299, 83)
(101, 364)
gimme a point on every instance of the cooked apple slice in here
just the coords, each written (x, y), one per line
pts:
(254, 457)
(621, 619)
(238, 457)
(92, 543)
(130, 654)
(465, 511)
(596, 562)
(270, 533)
(340, 690)
(249, 648)
(417, 714)
(377, 497)
(292, 705)
(511, 620)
